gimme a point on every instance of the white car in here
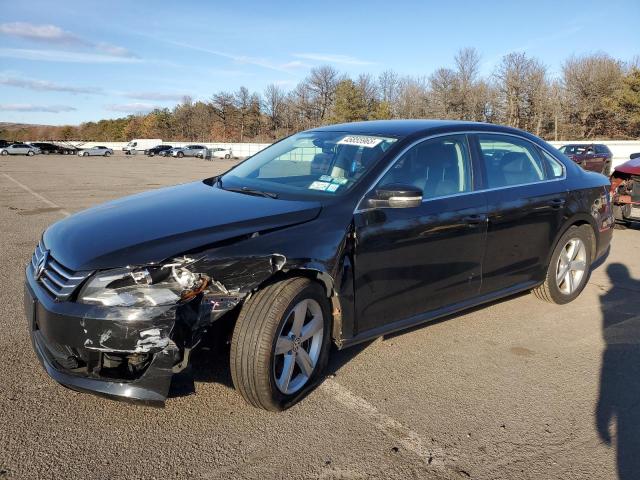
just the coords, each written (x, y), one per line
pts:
(95, 151)
(20, 149)
(219, 153)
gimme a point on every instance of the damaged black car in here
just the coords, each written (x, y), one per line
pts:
(336, 235)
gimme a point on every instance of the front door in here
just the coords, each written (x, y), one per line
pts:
(409, 261)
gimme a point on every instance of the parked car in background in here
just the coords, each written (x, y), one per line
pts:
(625, 190)
(140, 144)
(594, 157)
(190, 151)
(4, 143)
(157, 150)
(48, 148)
(19, 148)
(167, 153)
(407, 222)
(218, 152)
(95, 151)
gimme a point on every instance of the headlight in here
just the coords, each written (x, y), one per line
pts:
(155, 285)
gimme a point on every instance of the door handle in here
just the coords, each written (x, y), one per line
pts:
(472, 220)
(557, 202)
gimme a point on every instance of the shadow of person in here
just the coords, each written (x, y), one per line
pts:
(619, 398)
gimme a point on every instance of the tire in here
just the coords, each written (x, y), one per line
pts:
(5, 153)
(30, 153)
(227, 156)
(85, 154)
(567, 288)
(107, 154)
(180, 154)
(151, 154)
(257, 370)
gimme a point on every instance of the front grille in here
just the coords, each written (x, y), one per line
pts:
(58, 280)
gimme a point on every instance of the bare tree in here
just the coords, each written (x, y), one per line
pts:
(274, 106)
(322, 83)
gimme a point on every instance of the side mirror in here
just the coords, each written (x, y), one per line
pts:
(395, 196)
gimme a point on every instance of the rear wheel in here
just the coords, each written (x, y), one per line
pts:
(107, 154)
(280, 343)
(85, 154)
(180, 154)
(4, 152)
(227, 156)
(569, 268)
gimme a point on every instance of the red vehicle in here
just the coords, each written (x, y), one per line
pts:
(625, 190)
(590, 156)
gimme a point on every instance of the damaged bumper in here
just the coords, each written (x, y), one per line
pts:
(118, 352)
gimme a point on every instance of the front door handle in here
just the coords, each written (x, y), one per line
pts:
(472, 220)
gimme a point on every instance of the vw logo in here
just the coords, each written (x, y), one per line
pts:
(41, 265)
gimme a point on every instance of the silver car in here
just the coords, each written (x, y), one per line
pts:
(20, 149)
(95, 151)
(190, 151)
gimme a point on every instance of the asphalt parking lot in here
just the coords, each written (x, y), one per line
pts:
(518, 389)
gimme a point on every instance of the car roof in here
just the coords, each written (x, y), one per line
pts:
(403, 128)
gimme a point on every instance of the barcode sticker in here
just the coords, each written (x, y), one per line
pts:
(360, 141)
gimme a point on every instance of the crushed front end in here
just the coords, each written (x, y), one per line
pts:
(625, 195)
(125, 332)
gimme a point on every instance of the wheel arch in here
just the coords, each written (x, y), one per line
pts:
(578, 220)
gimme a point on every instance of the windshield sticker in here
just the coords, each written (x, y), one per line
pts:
(326, 178)
(361, 141)
(333, 187)
(340, 181)
(319, 186)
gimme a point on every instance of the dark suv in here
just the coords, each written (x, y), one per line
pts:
(595, 157)
(157, 150)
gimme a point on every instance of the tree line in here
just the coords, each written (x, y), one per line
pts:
(593, 96)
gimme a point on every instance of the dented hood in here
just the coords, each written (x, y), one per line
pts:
(152, 226)
(632, 167)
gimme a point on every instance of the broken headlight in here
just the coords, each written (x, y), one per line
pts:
(149, 286)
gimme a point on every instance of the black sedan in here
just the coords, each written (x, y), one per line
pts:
(338, 234)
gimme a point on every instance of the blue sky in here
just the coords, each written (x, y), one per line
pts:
(73, 61)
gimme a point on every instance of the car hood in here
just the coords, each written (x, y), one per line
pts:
(152, 226)
(632, 167)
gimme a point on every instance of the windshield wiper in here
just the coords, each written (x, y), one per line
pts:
(247, 190)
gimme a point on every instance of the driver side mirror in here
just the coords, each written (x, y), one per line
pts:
(395, 196)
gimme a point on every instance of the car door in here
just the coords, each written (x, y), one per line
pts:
(526, 195)
(409, 261)
(19, 148)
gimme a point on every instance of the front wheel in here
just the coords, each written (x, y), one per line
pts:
(569, 268)
(85, 154)
(180, 154)
(227, 156)
(107, 154)
(280, 343)
(30, 153)
(5, 153)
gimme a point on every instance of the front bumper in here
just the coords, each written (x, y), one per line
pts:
(78, 345)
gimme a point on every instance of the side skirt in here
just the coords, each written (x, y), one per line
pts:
(433, 315)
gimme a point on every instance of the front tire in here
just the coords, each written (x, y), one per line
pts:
(280, 343)
(85, 154)
(569, 268)
(30, 153)
(227, 156)
(107, 154)
(180, 154)
(4, 153)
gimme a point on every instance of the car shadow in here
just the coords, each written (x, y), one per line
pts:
(619, 395)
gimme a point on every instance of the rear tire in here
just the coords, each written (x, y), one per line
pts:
(5, 153)
(180, 154)
(280, 343)
(107, 154)
(227, 156)
(85, 154)
(567, 276)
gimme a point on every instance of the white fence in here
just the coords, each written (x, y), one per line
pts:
(621, 149)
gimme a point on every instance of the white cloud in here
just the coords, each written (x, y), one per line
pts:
(28, 107)
(158, 96)
(54, 34)
(44, 85)
(333, 58)
(63, 56)
(131, 107)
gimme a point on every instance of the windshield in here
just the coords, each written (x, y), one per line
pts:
(325, 163)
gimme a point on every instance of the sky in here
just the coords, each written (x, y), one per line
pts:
(67, 62)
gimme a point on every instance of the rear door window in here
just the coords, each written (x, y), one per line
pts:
(510, 161)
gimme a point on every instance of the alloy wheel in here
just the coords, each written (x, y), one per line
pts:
(571, 267)
(298, 346)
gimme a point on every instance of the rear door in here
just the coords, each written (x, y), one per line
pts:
(526, 195)
(414, 260)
